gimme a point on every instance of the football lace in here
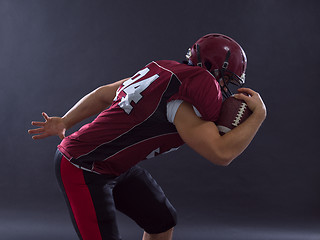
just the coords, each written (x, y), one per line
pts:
(237, 120)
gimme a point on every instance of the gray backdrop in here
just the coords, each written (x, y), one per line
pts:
(54, 52)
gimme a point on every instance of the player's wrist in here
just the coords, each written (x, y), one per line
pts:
(65, 122)
(260, 113)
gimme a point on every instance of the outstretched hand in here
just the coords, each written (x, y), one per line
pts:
(52, 126)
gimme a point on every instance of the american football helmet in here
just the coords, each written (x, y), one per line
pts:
(221, 56)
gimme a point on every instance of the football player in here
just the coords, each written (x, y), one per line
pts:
(161, 107)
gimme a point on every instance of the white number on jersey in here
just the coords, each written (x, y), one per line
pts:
(133, 89)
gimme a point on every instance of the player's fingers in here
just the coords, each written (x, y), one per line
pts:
(45, 116)
(36, 131)
(40, 136)
(242, 96)
(38, 124)
(246, 90)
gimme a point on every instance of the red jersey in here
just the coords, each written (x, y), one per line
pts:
(135, 127)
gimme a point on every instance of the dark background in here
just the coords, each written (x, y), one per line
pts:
(54, 52)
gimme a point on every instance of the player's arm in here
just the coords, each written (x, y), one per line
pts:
(204, 138)
(90, 105)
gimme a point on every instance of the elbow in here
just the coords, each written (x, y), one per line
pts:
(104, 95)
(222, 159)
(224, 162)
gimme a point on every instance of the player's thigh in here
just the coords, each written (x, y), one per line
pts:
(89, 200)
(140, 197)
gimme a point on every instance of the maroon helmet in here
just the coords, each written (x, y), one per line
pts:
(222, 56)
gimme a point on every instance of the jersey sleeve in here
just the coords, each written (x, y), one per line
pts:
(172, 108)
(202, 91)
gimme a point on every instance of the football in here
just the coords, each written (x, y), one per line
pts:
(233, 112)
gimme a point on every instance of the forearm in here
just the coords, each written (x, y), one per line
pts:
(91, 104)
(233, 143)
(88, 106)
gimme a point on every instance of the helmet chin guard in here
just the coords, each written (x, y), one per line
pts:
(221, 56)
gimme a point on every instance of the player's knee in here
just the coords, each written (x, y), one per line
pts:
(164, 235)
(163, 219)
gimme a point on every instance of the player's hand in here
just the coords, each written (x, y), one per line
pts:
(253, 100)
(52, 126)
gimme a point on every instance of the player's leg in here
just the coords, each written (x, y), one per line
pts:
(138, 195)
(161, 236)
(90, 201)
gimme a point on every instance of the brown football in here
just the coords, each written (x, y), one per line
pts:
(233, 113)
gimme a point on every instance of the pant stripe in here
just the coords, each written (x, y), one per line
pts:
(80, 201)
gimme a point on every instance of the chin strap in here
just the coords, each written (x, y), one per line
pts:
(226, 93)
(199, 64)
